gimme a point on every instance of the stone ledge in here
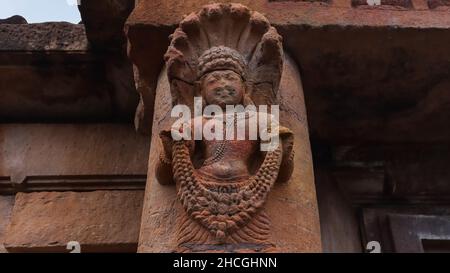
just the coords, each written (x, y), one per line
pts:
(78, 157)
(43, 37)
(16, 19)
(283, 13)
(73, 183)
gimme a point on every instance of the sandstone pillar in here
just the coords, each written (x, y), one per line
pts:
(290, 206)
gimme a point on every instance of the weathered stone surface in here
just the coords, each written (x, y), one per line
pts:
(369, 74)
(146, 72)
(43, 37)
(386, 85)
(16, 19)
(77, 157)
(104, 21)
(6, 206)
(339, 220)
(408, 172)
(443, 5)
(64, 88)
(101, 221)
(293, 12)
(48, 73)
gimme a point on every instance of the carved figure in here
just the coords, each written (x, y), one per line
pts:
(227, 55)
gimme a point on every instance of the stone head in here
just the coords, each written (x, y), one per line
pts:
(222, 74)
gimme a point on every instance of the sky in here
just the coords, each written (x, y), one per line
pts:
(38, 11)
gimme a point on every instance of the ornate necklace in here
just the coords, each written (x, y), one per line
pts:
(220, 149)
(222, 213)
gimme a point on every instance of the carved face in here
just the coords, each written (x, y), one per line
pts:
(223, 87)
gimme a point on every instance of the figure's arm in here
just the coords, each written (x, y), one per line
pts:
(287, 162)
(164, 172)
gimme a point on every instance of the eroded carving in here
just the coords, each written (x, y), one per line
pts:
(227, 55)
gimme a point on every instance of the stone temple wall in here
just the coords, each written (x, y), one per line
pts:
(72, 167)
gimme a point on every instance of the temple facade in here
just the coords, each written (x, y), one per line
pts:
(88, 162)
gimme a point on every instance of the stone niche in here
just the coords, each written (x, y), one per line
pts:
(291, 206)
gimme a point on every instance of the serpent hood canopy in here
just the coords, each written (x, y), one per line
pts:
(225, 36)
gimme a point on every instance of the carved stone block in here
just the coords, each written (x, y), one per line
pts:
(101, 221)
(222, 195)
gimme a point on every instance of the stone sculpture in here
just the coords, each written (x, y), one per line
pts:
(227, 55)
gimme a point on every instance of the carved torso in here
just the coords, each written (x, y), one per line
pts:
(234, 159)
(228, 161)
